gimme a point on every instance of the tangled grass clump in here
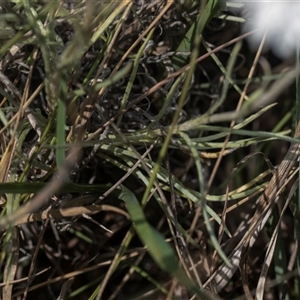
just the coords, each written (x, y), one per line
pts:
(130, 141)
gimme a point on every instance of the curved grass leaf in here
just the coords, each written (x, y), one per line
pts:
(160, 251)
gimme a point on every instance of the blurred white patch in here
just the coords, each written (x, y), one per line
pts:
(281, 20)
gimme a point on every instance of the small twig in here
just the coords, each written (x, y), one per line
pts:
(57, 214)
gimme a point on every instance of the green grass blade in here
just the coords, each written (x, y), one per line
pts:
(160, 251)
(60, 133)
